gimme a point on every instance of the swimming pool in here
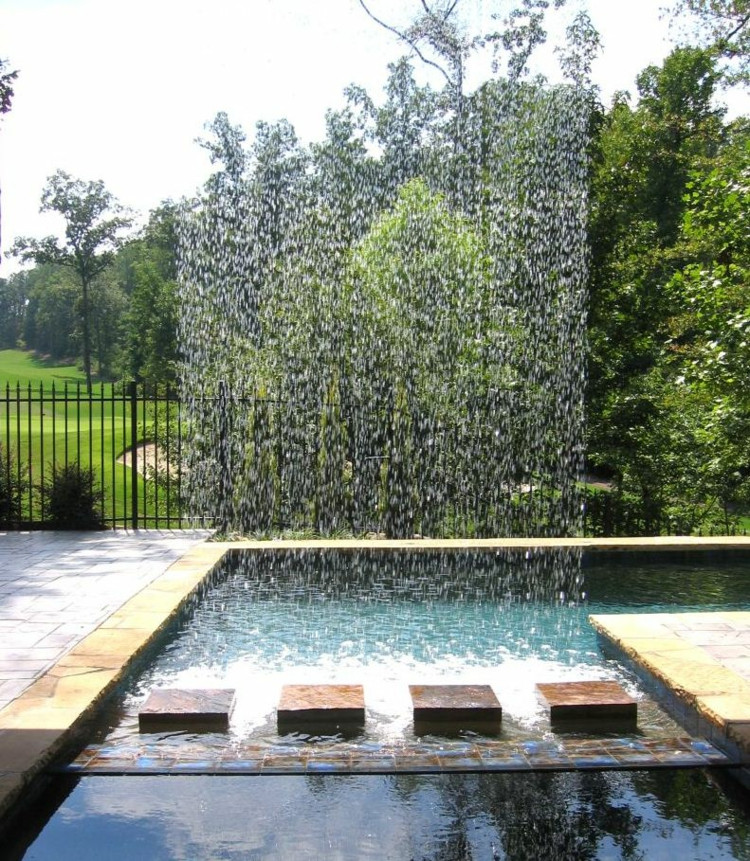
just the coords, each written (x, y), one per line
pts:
(383, 618)
(389, 620)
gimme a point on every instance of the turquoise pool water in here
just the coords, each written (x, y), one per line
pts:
(387, 620)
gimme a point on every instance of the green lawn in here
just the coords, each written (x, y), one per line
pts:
(91, 430)
(19, 366)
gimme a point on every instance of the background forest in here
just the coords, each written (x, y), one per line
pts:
(668, 325)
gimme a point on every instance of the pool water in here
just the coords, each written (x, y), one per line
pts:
(387, 620)
(540, 817)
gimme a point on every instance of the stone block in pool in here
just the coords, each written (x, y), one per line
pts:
(321, 708)
(194, 709)
(574, 704)
(447, 709)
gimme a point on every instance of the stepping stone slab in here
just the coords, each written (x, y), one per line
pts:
(176, 707)
(455, 703)
(314, 704)
(587, 702)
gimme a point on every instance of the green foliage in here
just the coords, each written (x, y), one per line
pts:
(332, 501)
(7, 79)
(668, 397)
(51, 324)
(710, 331)
(91, 239)
(146, 270)
(13, 302)
(152, 320)
(72, 498)
(10, 491)
(723, 27)
(419, 283)
(419, 290)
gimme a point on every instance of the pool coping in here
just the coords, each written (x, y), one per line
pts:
(39, 727)
(690, 661)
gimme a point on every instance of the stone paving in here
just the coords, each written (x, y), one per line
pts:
(57, 587)
(76, 609)
(699, 666)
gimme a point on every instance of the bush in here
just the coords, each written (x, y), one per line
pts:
(71, 498)
(10, 492)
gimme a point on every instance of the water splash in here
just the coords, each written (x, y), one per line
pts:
(392, 344)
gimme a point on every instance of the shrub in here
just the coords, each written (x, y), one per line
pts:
(10, 491)
(72, 499)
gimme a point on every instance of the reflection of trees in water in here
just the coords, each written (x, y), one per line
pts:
(712, 800)
(571, 816)
(557, 816)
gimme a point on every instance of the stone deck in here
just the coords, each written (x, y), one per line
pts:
(698, 665)
(76, 609)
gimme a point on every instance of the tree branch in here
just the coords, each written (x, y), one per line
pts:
(449, 10)
(737, 29)
(409, 41)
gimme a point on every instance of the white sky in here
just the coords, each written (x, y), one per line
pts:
(119, 91)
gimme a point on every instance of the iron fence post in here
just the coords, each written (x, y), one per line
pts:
(133, 391)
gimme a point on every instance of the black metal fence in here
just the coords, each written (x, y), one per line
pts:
(120, 443)
(120, 447)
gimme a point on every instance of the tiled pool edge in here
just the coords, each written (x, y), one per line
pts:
(706, 697)
(465, 757)
(44, 722)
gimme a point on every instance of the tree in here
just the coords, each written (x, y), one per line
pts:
(709, 350)
(723, 27)
(51, 323)
(13, 301)
(437, 37)
(440, 40)
(430, 343)
(91, 239)
(147, 272)
(642, 167)
(7, 78)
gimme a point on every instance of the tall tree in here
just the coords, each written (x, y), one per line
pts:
(13, 301)
(440, 39)
(50, 324)
(7, 78)
(647, 429)
(147, 270)
(93, 220)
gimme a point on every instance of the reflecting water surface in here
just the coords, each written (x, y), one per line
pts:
(633, 815)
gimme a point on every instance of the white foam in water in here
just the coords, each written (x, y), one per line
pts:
(387, 699)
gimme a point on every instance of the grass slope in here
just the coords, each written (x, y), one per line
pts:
(20, 366)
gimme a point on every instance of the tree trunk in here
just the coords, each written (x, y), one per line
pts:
(85, 315)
